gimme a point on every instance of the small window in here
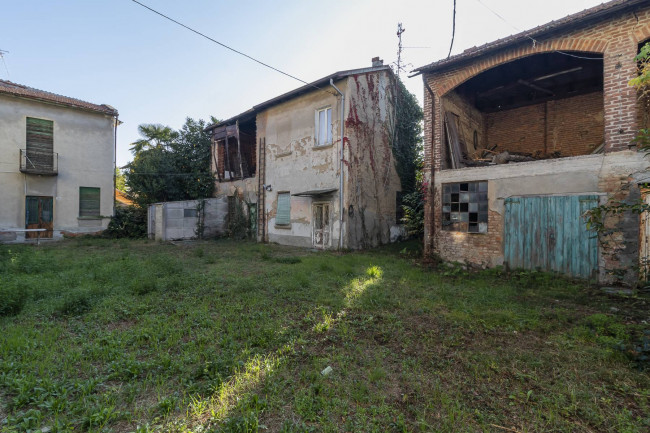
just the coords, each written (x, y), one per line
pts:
(465, 207)
(190, 213)
(323, 127)
(88, 202)
(283, 215)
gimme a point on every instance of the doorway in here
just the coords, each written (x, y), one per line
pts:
(39, 215)
(321, 225)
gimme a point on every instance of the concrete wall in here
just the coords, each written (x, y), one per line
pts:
(594, 174)
(294, 164)
(84, 142)
(372, 183)
(167, 221)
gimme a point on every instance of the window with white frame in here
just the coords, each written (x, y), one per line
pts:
(324, 126)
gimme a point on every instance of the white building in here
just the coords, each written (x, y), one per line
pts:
(57, 164)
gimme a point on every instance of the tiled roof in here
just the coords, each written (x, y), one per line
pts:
(595, 12)
(9, 88)
(320, 83)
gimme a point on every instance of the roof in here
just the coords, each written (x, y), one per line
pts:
(122, 199)
(21, 91)
(594, 13)
(251, 113)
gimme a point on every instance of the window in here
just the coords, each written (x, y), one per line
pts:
(283, 215)
(465, 207)
(88, 202)
(323, 127)
(39, 143)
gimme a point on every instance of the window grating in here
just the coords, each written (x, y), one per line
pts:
(465, 207)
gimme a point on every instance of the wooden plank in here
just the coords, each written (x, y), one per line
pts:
(241, 171)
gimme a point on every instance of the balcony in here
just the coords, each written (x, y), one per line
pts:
(38, 162)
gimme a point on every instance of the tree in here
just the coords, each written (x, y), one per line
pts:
(154, 136)
(120, 180)
(170, 165)
(407, 147)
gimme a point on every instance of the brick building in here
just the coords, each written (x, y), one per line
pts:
(525, 134)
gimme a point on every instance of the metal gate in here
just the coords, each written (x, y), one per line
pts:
(549, 233)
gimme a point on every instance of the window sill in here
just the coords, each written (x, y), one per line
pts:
(283, 226)
(283, 154)
(322, 146)
(98, 217)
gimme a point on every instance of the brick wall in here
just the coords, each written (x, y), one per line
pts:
(615, 37)
(571, 126)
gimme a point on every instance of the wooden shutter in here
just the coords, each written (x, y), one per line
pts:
(283, 216)
(88, 202)
(40, 135)
(39, 143)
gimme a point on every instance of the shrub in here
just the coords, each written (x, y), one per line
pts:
(128, 222)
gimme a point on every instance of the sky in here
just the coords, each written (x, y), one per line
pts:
(153, 71)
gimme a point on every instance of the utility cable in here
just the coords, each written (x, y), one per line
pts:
(229, 48)
(535, 42)
(453, 30)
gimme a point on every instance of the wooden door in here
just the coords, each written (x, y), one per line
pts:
(549, 233)
(321, 225)
(39, 214)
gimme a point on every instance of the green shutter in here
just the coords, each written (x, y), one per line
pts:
(283, 216)
(88, 202)
(40, 135)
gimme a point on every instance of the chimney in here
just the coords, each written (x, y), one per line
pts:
(376, 61)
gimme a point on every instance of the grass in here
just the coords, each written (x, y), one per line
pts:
(99, 335)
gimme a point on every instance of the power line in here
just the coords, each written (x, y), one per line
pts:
(453, 31)
(229, 48)
(535, 42)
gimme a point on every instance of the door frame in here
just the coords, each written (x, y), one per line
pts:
(314, 205)
(49, 233)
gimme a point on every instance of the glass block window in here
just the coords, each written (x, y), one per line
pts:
(465, 207)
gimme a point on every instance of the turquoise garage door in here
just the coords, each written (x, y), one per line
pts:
(549, 233)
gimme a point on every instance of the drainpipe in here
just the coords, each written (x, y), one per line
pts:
(342, 165)
(117, 122)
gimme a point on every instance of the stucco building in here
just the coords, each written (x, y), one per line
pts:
(304, 186)
(525, 134)
(57, 158)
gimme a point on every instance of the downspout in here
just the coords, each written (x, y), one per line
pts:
(342, 165)
(117, 122)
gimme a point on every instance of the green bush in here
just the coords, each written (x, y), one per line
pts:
(128, 222)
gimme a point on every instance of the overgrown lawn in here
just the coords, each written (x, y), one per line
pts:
(99, 335)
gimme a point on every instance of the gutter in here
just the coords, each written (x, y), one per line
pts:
(341, 207)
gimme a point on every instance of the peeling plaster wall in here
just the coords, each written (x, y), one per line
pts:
(294, 164)
(373, 183)
(84, 142)
(613, 176)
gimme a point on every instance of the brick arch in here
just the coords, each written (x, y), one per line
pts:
(464, 73)
(642, 34)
